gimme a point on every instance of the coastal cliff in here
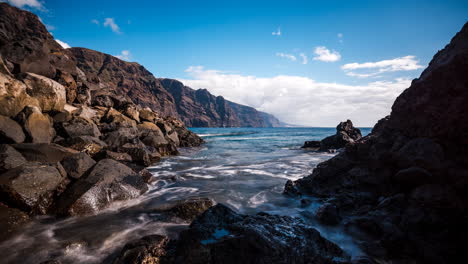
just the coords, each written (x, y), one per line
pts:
(402, 190)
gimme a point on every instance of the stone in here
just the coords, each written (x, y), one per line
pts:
(77, 164)
(13, 96)
(412, 177)
(79, 126)
(220, 235)
(87, 144)
(312, 144)
(148, 250)
(131, 111)
(12, 219)
(107, 182)
(188, 209)
(345, 133)
(146, 114)
(10, 158)
(38, 126)
(10, 131)
(115, 120)
(328, 214)
(50, 94)
(31, 186)
(169, 132)
(43, 152)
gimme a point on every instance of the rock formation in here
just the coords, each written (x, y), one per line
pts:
(72, 141)
(402, 190)
(345, 133)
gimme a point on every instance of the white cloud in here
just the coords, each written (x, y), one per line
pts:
(110, 22)
(95, 21)
(124, 55)
(302, 100)
(63, 44)
(324, 54)
(287, 56)
(406, 63)
(304, 58)
(29, 3)
(277, 33)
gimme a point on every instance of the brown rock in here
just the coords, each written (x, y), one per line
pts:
(38, 126)
(77, 164)
(50, 94)
(148, 250)
(10, 158)
(12, 219)
(10, 131)
(43, 152)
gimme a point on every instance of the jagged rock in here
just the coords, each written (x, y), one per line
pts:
(88, 113)
(169, 132)
(10, 131)
(13, 96)
(77, 164)
(11, 219)
(38, 126)
(114, 120)
(146, 114)
(118, 156)
(186, 137)
(43, 152)
(345, 133)
(148, 250)
(10, 158)
(32, 186)
(412, 177)
(108, 181)
(220, 235)
(131, 111)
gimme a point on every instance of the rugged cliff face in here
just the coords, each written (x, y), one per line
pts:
(402, 190)
(199, 108)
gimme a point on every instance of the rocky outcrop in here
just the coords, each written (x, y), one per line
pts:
(220, 235)
(401, 191)
(75, 127)
(346, 133)
(199, 108)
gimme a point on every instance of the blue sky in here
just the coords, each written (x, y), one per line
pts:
(229, 48)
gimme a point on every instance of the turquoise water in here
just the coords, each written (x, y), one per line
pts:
(244, 168)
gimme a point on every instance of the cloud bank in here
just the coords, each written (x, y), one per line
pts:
(368, 69)
(26, 3)
(301, 100)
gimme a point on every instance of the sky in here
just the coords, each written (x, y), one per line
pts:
(312, 63)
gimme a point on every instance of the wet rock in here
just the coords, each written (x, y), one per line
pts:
(50, 94)
(291, 189)
(328, 214)
(189, 209)
(43, 152)
(77, 164)
(421, 152)
(412, 177)
(12, 219)
(222, 236)
(32, 186)
(10, 131)
(314, 144)
(146, 250)
(10, 158)
(38, 126)
(107, 182)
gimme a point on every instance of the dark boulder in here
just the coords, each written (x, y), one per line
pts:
(10, 158)
(345, 133)
(32, 186)
(77, 164)
(78, 126)
(328, 214)
(188, 209)
(88, 144)
(12, 219)
(107, 182)
(10, 131)
(43, 152)
(314, 144)
(146, 250)
(222, 236)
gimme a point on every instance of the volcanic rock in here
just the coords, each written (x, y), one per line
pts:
(10, 131)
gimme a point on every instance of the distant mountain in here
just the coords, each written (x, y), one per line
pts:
(199, 108)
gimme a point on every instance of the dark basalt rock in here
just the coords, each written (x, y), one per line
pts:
(189, 209)
(11, 219)
(222, 236)
(10, 131)
(315, 144)
(108, 181)
(10, 158)
(77, 164)
(402, 189)
(328, 214)
(147, 250)
(38, 126)
(43, 152)
(345, 133)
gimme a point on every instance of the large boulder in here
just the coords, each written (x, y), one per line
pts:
(37, 125)
(149, 250)
(345, 133)
(10, 131)
(13, 95)
(107, 182)
(32, 186)
(50, 94)
(10, 158)
(77, 164)
(188, 209)
(88, 144)
(42, 152)
(79, 126)
(222, 236)
(114, 120)
(12, 219)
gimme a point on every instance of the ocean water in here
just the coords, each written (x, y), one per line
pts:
(244, 168)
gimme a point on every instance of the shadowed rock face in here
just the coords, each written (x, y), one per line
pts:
(199, 108)
(403, 189)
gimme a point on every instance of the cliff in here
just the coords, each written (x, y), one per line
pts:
(402, 190)
(199, 108)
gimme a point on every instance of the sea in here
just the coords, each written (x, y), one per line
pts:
(243, 168)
